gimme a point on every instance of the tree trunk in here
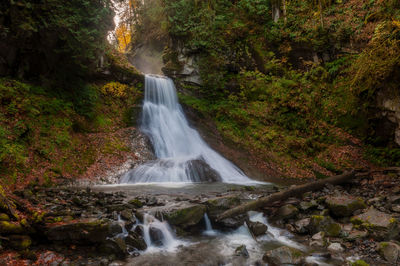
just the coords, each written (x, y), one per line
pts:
(295, 191)
(276, 10)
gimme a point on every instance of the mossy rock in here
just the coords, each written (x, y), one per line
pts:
(19, 242)
(286, 212)
(324, 224)
(4, 217)
(380, 225)
(216, 206)
(390, 251)
(8, 228)
(359, 263)
(81, 232)
(284, 256)
(344, 206)
(186, 216)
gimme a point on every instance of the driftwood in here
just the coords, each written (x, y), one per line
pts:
(295, 191)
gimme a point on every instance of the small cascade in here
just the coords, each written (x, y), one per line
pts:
(122, 224)
(209, 230)
(158, 235)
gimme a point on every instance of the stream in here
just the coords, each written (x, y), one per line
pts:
(188, 172)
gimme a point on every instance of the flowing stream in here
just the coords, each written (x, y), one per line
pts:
(182, 155)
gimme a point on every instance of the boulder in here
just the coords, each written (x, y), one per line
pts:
(115, 246)
(4, 217)
(380, 225)
(156, 236)
(344, 206)
(127, 215)
(185, 215)
(136, 240)
(318, 239)
(390, 251)
(136, 203)
(257, 228)
(302, 225)
(216, 206)
(199, 171)
(286, 212)
(19, 242)
(356, 234)
(284, 255)
(325, 224)
(335, 248)
(82, 231)
(241, 251)
(10, 228)
(308, 205)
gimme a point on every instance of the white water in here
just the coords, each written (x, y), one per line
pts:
(169, 242)
(175, 143)
(209, 230)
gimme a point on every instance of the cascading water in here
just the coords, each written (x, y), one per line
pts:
(162, 238)
(182, 155)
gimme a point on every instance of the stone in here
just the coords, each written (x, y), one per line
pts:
(325, 224)
(284, 255)
(335, 248)
(115, 246)
(356, 234)
(308, 205)
(396, 208)
(10, 228)
(286, 212)
(136, 203)
(344, 206)
(200, 171)
(82, 231)
(216, 206)
(302, 225)
(390, 251)
(19, 242)
(232, 222)
(135, 240)
(156, 236)
(318, 240)
(241, 251)
(127, 215)
(4, 217)
(185, 215)
(257, 228)
(380, 225)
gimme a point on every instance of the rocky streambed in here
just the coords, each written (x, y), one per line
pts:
(355, 224)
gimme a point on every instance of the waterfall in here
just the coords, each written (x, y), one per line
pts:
(182, 155)
(209, 230)
(158, 235)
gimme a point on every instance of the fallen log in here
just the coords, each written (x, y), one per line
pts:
(294, 191)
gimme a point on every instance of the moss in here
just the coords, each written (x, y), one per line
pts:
(4, 217)
(187, 216)
(359, 263)
(10, 228)
(136, 202)
(333, 230)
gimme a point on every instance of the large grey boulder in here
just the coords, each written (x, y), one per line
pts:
(257, 228)
(344, 205)
(286, 212)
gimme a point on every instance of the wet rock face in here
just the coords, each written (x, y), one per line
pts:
(200, 171)
(344, 205)
(156, 236)
(257, 228)
(284, 256)
(241, 251)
